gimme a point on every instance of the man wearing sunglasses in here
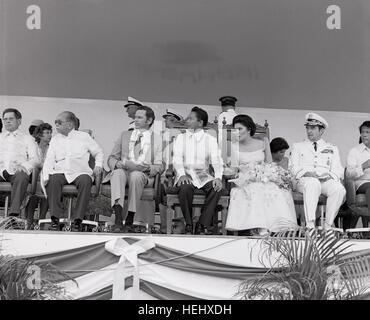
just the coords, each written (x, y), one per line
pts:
(67, 162)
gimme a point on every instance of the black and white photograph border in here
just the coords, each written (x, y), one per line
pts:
(184, 150)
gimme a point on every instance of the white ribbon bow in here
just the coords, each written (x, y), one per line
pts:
(127, 265)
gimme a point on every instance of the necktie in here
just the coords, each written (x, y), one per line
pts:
(315, 145)
(137, 147)
(138, 141)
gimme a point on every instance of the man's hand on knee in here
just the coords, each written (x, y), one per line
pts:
(217, 185)
(310, 174)
(183, 180)
(20, 168)
(143, 168)
(98, 171)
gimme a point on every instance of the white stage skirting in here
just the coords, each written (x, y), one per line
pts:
(178, 267)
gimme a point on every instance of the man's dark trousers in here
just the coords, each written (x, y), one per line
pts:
(365, 189)
(186, 195)
(19, 182)
(54, 191)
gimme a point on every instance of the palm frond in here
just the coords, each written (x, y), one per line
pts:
(14, 278)
(299, 268)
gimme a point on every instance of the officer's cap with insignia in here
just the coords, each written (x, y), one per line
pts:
(133, 102)
(313, 119)
(228, 101)
(172, 112)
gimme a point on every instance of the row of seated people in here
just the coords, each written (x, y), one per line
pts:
(261, 197)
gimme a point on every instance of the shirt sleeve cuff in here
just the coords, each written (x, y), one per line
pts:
(180, 172)
(27, 166)
(300, 174)
(334, 176)
(218, 175)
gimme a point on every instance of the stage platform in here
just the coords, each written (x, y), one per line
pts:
(174, 267)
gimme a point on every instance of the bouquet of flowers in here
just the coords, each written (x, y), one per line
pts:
(264, 173)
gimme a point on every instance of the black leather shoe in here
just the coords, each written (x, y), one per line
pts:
(189, 229)
(76, 226)
(54, 225)
(201, 230)
(118, 228)
(129, 229)
(245, 233)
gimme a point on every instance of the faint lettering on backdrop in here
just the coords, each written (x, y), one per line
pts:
(33, 21)
(333, 22)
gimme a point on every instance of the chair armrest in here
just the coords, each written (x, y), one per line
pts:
(226, 185)
(97, 181)
(157, 189)
(351, 190)
(35, 178)
(170, 175)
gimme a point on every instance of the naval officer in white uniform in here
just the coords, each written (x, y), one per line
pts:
(131, 107)
(228, 110)
(228, 113)
(317, 167)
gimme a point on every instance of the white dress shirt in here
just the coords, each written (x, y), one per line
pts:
(228, 115)
(17, 148)
(131, 125)
(145, 138)
(168, 136)
(192, 155)
(325, 160)
(356, 157)
(70, 155)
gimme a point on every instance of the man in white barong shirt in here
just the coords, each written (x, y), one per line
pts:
(67, 162)
(193, 152)
(18, 157)
(358, 167)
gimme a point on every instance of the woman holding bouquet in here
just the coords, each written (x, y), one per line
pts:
(262, 197)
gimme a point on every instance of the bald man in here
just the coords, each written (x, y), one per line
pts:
(67, 162)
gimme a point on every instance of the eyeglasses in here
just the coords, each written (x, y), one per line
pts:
(59, 122)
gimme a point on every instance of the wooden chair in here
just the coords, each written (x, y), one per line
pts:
(6, 188)
(298, 200)
(172, 198)
(356, 202)
(70, 191)
(151, 193)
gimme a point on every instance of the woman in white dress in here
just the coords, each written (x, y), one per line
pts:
(262, 204)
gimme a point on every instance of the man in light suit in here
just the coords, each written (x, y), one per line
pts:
(135, 160)
(317, 167)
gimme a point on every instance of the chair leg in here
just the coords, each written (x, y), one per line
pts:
(6, 207)
(170, 210)
(224, 218)
(70, 210)
(38, 211)
(322, 214)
